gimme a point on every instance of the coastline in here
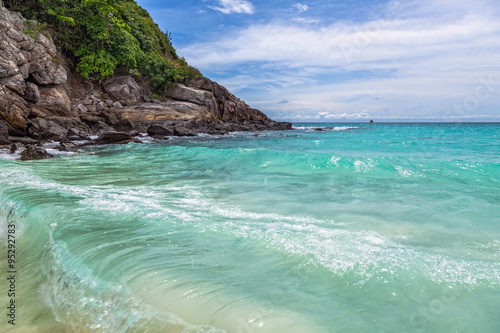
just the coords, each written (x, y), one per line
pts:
(43, 98)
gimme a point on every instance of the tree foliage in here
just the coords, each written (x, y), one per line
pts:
(105, 36)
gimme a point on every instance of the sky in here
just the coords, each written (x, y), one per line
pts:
(340, 60)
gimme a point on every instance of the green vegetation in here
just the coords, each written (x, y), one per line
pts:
(32, 28)
(107, 37)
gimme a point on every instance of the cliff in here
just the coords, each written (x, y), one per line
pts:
(42, 97)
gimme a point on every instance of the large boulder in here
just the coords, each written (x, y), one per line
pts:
(32, 93)
(111, 117)
(183, 93)
(113, 138)
(54, 100)
(58, 128)
(124, 125)
(159, 131)
(44, 129)
(124, 90)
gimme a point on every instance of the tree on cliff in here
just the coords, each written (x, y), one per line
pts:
(107, 37)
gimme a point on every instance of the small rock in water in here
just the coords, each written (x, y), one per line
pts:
(113, 138)
(34, 153)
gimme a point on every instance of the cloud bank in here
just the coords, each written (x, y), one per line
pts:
(417, 59)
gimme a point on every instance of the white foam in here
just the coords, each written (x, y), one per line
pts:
(324, 128)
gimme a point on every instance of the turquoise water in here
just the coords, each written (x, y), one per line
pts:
(358, 228)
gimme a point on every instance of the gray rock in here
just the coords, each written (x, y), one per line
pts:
(24, 70)
(50, 73)
(110, 117)
(35, 67)
(100, 106)
(7, 67)
(75, 134)
(156, 131)
(34, 153)
(54, 100)
(4, 130)
(99, 128)
(124, 125)
(27, 45)
(13, 112)
(82, 108)
(117, 105)
(13, 34)
(188, 94)
(183, 131)
(35, 113)
(4, 134)
(64, 146)
(44, 129)
(15, 83)
(32, 93)
(47, 44)
(87, 87)
(124, 89)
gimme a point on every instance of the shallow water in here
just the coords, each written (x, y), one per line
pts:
(380, 228)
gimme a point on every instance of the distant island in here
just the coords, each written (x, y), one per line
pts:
(73, 70)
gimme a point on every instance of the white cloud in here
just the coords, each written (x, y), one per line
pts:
(234, 6)
(413, 61)
(306, 20)
(299, 7)
(371, 45)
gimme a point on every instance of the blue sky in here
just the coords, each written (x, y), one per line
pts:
(333, 61)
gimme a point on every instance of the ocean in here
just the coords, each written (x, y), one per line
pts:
(324, 228)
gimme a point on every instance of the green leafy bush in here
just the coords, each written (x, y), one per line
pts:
(105, 35)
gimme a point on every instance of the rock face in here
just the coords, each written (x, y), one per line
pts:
(206, 105)
(13, 112)
(41, 99)
(26, 59)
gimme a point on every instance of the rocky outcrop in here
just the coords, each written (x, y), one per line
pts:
(206, 105)
(228, 107)
(41, 100)
(25, 59)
